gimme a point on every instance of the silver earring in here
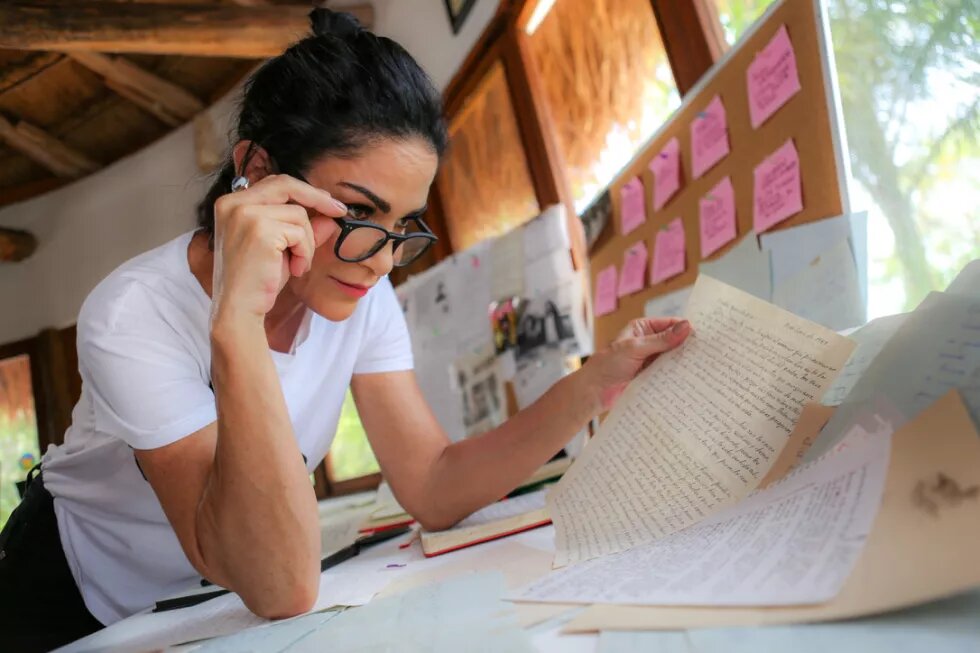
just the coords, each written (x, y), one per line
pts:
(239, 183)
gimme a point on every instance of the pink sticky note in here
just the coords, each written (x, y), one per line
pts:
(709, 137)
(668, 252)
(778, 192)
(716, 214)
(634, 274)
(666, 167)
(772, 78)
(633, 212)
(605, 291)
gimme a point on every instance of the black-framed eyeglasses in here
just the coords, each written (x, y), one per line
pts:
(359, 240)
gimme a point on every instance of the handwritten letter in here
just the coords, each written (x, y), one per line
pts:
(669, 252)
(698, 429)
(666, 167)
(709, 137)
(605, 291)
(631, 208)
(772, 78)
(633, 277)
(778, 189)
(717, 217)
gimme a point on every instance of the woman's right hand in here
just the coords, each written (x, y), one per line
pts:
(264, 234)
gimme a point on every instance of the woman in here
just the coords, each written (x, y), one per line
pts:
(214, 367)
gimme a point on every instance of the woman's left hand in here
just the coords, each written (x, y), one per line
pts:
(611, 369)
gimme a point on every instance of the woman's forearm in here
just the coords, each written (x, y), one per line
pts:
(257, 522)
(476, 471)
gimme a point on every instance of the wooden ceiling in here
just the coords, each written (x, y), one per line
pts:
(84, 83)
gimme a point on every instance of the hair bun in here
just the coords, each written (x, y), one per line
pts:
(325, 22)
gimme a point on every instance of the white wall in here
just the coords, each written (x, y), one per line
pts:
(87, 229)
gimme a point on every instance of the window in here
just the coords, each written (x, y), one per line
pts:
(910, 90)
(350, 453)
(484, 180)
(607, 84)
(19, 448)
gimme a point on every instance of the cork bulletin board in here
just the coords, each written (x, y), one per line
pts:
(810, 118)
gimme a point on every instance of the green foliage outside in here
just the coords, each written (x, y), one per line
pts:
(18, 435)
(350, 454)
(909, 74)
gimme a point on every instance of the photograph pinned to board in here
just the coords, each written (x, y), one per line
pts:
(480, 383)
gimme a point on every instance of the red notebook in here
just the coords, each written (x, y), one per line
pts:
(498, 520)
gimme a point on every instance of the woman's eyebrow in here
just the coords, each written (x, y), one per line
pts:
(378, 202)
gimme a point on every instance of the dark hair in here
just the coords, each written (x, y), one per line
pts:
(331, 94)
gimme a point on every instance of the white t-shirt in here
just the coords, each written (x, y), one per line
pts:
(144, 356)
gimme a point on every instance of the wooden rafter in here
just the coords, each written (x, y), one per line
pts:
(204, 30)
(16, 245)
(45, 149)
(164, 99)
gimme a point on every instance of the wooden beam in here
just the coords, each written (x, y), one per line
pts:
(26, 66)
(690, 49)
(16, 245)
(46, 150)
(200, 30)
(154, 93)
(144, 103)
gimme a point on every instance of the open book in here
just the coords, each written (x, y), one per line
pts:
(497, 520)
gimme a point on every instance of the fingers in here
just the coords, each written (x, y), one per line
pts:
(288, 228)
(646, 326)
(283, 189)
(323, 229)
(650, 344)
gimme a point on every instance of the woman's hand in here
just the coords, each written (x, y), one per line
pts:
(263, 235)
(611, 369)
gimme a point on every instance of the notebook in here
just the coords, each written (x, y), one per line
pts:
(497, 520)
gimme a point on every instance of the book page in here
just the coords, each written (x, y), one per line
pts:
(923, 544)
(496, 519)
(699, 428)
(793, 543)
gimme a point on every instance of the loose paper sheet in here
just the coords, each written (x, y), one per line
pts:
(744, 266)
(632, 207)
(792, 543)
(778, 191)
(605, 291)
(812, 419)
(772, 78)
(825, 291)
(666, 167)
(634, 274)
(716, 215)
(507, 265)
(936, 349)
(709, 137)
(547, 272)
(669, 305)
(923, 544)
(967, 282)
(449, 616)
(546, 233)
(669, 254)
(698, 429)
(870, 339)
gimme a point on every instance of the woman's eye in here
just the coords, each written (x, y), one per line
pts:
(359, 212)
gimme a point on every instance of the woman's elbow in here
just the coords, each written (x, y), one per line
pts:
(294, 600)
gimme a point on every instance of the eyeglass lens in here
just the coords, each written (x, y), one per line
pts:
(364, 241)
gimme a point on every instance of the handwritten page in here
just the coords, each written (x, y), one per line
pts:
(744, 266)
(778, 192)
(634, 275)
(709, 137)
(812, 419)
(772, 78)
(716, 215)
(633, 211)
(967, 282)
(669, 253)
(825, 291)
(666, 167)
(446, 616)
(792, 543)
(698, 429)
(936, 349)
(923, 544)
(670, 305)
(870, 339)
(605, 291)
